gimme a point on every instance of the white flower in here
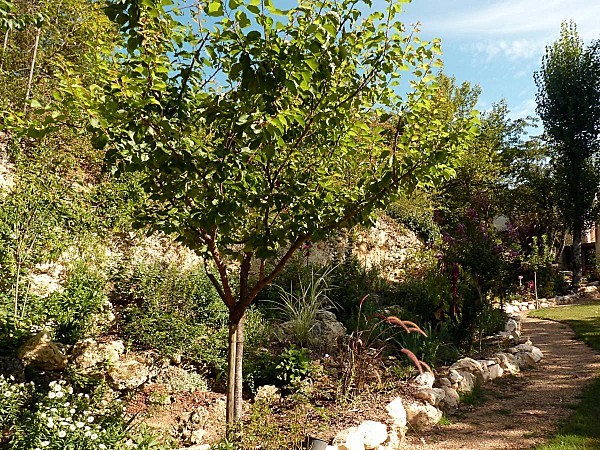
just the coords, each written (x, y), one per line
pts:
(102, 446)
(45, 443)
(72, 411)
(90, 419)
(79, 424)
(62, 433)
(94, 436)
(52, 394)
(72, 427)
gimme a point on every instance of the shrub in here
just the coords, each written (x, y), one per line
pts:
(54, 417)
(178, 312)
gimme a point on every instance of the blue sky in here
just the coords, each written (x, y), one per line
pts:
(499, 44)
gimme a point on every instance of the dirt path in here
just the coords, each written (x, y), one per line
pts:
(519, 412)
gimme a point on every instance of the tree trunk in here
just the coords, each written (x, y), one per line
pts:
(4, 46)
(235, 374)
(32, 67)
(577, 262)
(239, 356)
(231, 375)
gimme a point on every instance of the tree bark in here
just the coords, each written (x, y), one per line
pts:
(239, 355)
(32, 67)
(230, 414)
(235, 374)
(577, 262)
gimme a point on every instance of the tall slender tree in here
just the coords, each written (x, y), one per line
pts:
(568, 101)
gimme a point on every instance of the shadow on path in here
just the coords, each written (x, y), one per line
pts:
(522, 411)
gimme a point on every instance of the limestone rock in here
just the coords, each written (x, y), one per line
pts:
(426, 379)
(451, 398)
(433, 396)
(467, 365)
(507, 362)
(374, 433)
(327, 331)
(422, 416)
(511, 326)
(350, 439)
(268, 394)
(41, 352)
(397, 412)
(128, 374)
(455, 377)
(88, 354)
(197, 436)
(527, 360)
(468, 382)
(495, 371)
(444, 382)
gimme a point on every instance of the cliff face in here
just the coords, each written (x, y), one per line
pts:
(387, 245)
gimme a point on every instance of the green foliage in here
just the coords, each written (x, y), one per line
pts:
(416, 214)
(422, 298)
(350, 282)
(178, 312)
(300, 305)
(435, 349)
(57, 418)
(568, 103)
(73, 310)
(293, 366)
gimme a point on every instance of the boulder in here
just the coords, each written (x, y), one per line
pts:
(327, 331)
(444, 382)
(467, 365)
(507, 362)
(426, 379)
(41, 352)
(451, 398)
(495, 371)
(511, 326)
(468, 382)
(197, 436)
(350, 439)
(128, 374)
(374, 433)
(528, 360)
(433, 396)
(455, 377)
(88, 354)
(422, 417)
(397, 412)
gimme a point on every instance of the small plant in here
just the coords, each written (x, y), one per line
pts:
(294, 365)
(299, 307)
(360, 358)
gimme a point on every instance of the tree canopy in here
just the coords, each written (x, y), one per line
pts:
(569, 104)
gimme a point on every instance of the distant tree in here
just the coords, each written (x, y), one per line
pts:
(568, 101)
(255, 130)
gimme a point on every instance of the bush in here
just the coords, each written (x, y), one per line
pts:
(178, 312)
(54, 417)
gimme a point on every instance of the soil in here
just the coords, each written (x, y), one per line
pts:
(522, 411)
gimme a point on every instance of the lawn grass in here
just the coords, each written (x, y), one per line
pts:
(581, 431)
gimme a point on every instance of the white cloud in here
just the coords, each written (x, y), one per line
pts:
(515, 17)
(516, 49)
(525, 109)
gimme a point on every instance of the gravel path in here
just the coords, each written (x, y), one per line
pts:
(520, 412)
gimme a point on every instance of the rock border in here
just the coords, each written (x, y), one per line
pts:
(442, 394)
